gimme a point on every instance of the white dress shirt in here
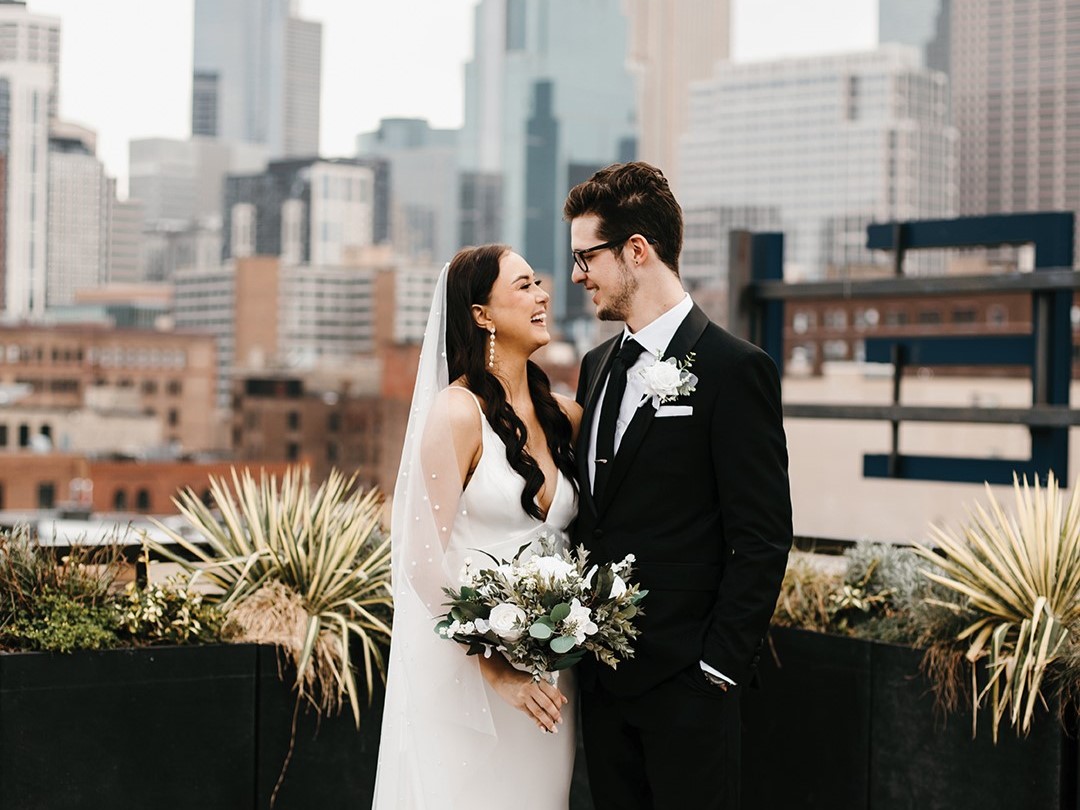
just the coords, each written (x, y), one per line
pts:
(655, 337)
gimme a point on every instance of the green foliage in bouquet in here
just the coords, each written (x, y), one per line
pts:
(305, 569)
(1017, 577)
(545, 611)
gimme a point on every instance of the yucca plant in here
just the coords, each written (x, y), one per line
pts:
(305, 570)
(1019, 576)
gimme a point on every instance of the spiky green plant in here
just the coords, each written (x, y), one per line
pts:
(1020, 575)
(319, 558)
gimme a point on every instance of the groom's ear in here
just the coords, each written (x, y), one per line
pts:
(480, 316)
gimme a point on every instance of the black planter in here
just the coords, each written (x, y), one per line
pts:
(333, 764)
(812, 714)
(855, 726)
(162, 728)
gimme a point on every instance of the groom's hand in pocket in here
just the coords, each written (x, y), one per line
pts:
(540, 700)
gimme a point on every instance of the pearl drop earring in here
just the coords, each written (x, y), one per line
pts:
(491, 348)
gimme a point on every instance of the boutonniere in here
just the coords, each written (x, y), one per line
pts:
(667, 380)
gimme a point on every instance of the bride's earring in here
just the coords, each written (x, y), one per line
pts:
(491, 347)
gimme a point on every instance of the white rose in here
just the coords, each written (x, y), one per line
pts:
(618, 587)
(507, 621)
(579, 623)
(663, 378)
(481, 626)
(551, 569)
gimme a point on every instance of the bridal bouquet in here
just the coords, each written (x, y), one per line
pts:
(545, 611)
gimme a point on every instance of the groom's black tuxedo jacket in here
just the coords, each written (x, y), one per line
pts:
(701, 500)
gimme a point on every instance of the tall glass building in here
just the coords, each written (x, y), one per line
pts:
(831, 143)
(257, 75)
(547, 92)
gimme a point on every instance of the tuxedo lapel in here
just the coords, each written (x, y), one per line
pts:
(684, 340)
(596, 385)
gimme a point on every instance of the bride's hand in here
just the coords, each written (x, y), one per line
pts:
(540, 700)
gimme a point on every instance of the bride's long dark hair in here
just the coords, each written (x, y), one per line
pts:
(469, 281)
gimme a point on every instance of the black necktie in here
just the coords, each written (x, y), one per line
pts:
(609, 413)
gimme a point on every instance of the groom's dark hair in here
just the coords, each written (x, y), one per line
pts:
(631, 198)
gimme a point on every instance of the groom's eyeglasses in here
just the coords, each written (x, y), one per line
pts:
(579, 255)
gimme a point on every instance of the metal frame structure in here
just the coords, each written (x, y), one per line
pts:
(757, 298)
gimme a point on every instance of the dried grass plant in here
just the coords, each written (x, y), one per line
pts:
(306, 570)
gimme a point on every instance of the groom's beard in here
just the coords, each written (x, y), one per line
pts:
(619, 300)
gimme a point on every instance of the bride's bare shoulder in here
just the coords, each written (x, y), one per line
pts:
(571, 409)
(461, 409)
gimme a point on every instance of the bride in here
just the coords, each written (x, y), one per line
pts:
(487, 466)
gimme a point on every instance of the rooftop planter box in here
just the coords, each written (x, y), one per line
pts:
(160, 727)
(855, 726)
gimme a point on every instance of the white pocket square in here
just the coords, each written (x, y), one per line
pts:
(674, 410)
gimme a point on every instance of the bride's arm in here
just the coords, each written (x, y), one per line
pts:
(572, 411)
(540, 700)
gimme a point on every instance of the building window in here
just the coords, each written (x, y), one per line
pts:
(119, 500)
(292, 451)
(46, 431)
(174, 417)
(866, 318)
(896, 317)
(835, 349)
(3, 436)
(835, 319)
(929, 316)
(293, 420)
(142, 500)
(46, 495)
(24, 435)
(331, 452)
(149, 387)
(997, 315)
(333, 422)
(964, 315)
(175, 387)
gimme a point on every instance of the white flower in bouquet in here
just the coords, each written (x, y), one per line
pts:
(550, 571)
(618, 587)
(510, 573)
(507, 621)
(467, 574)
(579, 623)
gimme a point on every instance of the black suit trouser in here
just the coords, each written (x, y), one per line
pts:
(673, 748)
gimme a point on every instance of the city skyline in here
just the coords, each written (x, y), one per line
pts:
(101, 91)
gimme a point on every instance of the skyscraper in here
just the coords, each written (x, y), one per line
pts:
(671, 45)
(77, 215)
(917, 23)
(830, 143)
(257, 75)
(1015, 70)
(425, 185)
(547, 88)
(29, 55)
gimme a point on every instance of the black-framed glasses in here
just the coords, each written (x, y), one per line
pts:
(579, 255)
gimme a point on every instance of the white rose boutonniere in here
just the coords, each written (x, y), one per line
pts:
(667, 380)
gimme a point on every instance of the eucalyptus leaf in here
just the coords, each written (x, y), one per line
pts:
(560, 612)
(562, 644)
(540, 631)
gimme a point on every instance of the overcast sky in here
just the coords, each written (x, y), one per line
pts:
(126, 64)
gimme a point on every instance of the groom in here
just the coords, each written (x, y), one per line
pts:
(694, 484)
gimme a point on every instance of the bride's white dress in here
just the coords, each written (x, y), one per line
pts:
(448, 740)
